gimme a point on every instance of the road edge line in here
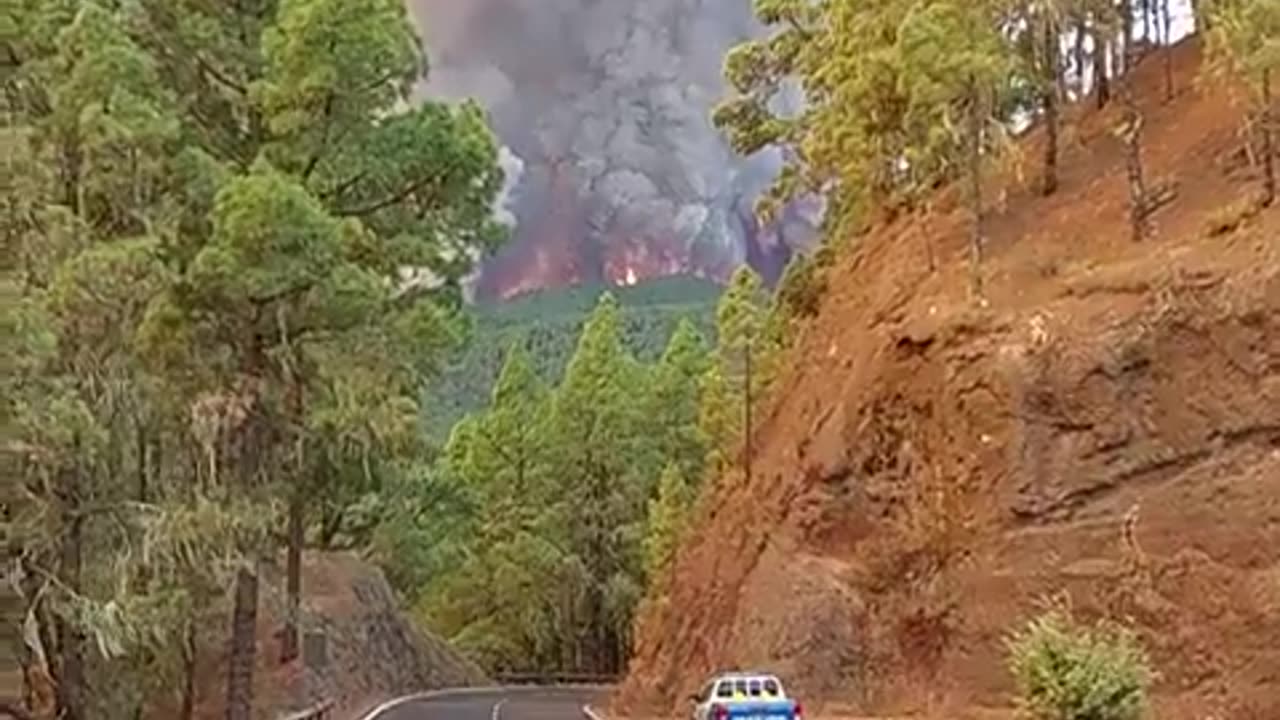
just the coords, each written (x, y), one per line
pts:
(590, 713)
(428, 695)
(456, 691)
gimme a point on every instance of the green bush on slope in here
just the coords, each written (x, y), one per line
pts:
(1067, 671)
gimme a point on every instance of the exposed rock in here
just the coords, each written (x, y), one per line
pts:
(371, 650)
(929, 470)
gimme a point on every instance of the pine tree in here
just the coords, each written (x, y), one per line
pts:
(210, 214)
(673, 400)
(797, 296)
(87, 138)
(317, 95)
(849, 138)
(1042, 54)
(958, 67)
(899, 96)
(667, 514)
(499, 603)
(595, 432)
(744, 364)
(1244, 40)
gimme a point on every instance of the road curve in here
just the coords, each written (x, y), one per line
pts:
(519, 703)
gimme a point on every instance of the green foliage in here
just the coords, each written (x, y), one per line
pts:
(568, 501)
(1244, 38)
(208, 214)
(1066, 671)
(555, 552)
(595, 433)
(667, 515)
(744, 345)
(546, 325)
(955, 63)
(899, 96)
(552, 483)
(673, 397)
(797, 297)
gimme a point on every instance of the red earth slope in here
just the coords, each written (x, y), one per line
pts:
(930, 470)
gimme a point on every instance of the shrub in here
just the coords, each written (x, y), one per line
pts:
(1067, 671)
(801, 287)
(1229, 218)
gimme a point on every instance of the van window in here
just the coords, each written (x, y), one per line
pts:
(740, 687)
(724, 689)
(754, 688)
(771, 687)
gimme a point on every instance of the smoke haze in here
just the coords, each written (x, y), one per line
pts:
(604, 107)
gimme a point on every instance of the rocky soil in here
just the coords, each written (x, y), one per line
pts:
(932, 469)
(372, 650)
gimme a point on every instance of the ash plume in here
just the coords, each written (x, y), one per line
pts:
(604, 106)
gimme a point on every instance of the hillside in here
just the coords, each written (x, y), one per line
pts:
(928, 470)
(372, 651)
(547, 324)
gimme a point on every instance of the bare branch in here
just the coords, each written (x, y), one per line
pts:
(10, 708)
(221, 77)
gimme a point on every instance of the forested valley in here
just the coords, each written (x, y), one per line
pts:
(234, 245)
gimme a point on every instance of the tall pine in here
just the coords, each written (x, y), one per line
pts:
(1244, 40)
(595, 415)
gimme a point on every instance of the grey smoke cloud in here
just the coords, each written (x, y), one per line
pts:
(604, 106)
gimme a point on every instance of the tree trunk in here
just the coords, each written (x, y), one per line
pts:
(746, 410)
(1167, 23)
(189, 658)
(70, 638)
(13, 710)
(244, 621)
(293, 581)
(1266, 121)
(1050, 103)
(1126, 37)
(1131, 133)
(330, 524)
(143, 451)
(1078, 54)
(1101, 81)
(39, 691)
(974, 168)
(142, 448)
(293, 572)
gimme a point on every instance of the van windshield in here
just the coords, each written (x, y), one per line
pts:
(761, 687)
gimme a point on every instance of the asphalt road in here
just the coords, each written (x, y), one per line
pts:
(496, 704)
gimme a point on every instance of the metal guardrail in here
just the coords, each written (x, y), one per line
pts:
(319, 711)
(556, 678)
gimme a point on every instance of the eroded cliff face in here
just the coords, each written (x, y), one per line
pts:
(1107, 429)
(372, 651)
(604, 107)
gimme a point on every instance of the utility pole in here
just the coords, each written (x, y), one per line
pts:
(746, 445)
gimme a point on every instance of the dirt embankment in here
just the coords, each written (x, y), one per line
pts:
(931, 469)
(372, 651)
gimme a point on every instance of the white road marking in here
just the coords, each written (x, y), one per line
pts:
(425, 696)
(497, 709)
(476, 691)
